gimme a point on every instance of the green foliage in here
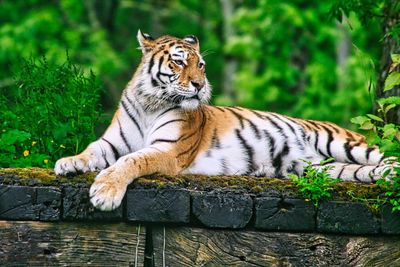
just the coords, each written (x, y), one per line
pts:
(393, 78)
(386, 135)
(51, 112)
(378, 130)
(365, 9)
(392, 188)
(316, 184)
(368, 11)
(287, 53)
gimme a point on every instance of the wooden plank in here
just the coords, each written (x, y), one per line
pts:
(71, 244)
(186, 246)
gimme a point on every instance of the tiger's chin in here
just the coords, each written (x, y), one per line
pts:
(190, 104)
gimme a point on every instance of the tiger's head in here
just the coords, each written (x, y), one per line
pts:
(172, 72)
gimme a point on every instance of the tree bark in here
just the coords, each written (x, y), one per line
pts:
(230, 62)
(391, 18)
(343, 47)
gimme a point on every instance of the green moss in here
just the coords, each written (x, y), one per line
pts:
(367, 193)
(38, 176)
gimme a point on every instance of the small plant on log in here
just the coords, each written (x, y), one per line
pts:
(316, 184)
(50, 112)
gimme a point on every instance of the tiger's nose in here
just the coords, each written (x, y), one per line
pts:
(197, 84)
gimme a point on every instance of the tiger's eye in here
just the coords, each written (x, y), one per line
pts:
(201, 65)
(179, 62)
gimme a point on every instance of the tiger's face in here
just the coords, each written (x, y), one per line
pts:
(173, 72)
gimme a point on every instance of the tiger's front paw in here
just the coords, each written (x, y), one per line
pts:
(108, 190)
(75, 164)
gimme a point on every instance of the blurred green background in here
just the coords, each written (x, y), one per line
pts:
(291, 57)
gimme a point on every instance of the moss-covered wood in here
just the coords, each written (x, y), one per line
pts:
(210, 201)
(263, 186)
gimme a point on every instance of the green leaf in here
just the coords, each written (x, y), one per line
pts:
(360, 120)
(389, 107)
(14, 136)
(389, 100)
(391, 81)
(374, 117)
(367, 126)
(390, 130)
(395, 58)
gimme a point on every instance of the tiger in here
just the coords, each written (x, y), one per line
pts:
(164, 124)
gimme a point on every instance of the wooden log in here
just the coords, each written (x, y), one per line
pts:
(206, 247)
(71, 244)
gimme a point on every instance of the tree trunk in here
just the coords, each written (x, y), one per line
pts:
(390, 46)
(343, 47)
(230, 62)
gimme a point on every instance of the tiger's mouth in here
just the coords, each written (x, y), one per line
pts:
(178, 98)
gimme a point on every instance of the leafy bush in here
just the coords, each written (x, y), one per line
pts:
(316, 184)
(386, 135)
(50, 112)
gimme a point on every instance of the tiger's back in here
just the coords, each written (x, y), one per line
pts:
(238, 141)
(163, 124)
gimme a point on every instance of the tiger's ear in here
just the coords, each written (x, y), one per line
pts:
(146, 42)
(191, 39)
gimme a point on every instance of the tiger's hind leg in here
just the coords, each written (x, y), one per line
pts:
(357, 172)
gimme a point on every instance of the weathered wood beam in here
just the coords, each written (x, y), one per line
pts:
(209, 247)
(71, 244)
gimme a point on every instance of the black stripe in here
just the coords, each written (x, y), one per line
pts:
(132, 104)
(164, 141)
(355, 173)
(151, 64)
(330, 139)
(104, 155)
(271, 143)
(276, 125)
(255, 129)
(132, 117)
(303, 134)
(340, 173)
(159, 70)
(165, 123)
(165, 111)
(249, 152)
(164, 74)
(113, 148)
(154, 83)
(316, 140)
(224, 165)
(347, 148)
(215, 143)
(316, 125)
(242, 118)
(368, 152)
(381, 159)
(123, 137)
(277, 161)
(190, 135)
(334, 127)
(317, 147)
(373, 173)
(238, 116)
(219, 108)
(193, 148)
(287, 124)
(300, 127)
(258, 114)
